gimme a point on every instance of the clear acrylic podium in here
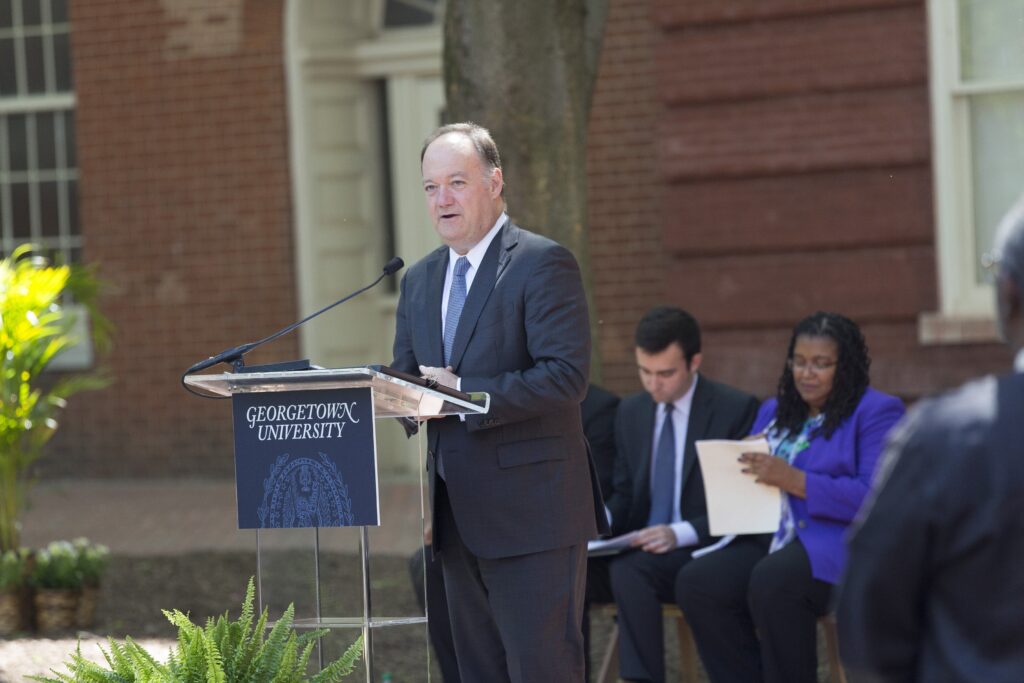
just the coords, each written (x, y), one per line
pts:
(281, 554)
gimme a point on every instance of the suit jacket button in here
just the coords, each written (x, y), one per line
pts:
(802, 524)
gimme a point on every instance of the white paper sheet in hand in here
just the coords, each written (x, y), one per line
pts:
(736, 503)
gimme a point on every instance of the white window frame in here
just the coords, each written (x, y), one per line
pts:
(966, 307)
(79, 356)
(52, 101)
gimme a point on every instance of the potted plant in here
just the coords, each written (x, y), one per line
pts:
(13, 570)
(222, 650)
(92, 561)
(34, 329)
(57, 583)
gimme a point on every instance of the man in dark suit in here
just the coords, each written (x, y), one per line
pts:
(934, 586)
(501, 310)
(658, 487)
(598, 414)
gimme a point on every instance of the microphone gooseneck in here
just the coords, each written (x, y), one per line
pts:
(234, 355)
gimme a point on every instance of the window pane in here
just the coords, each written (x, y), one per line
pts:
(70, 159)
(34, 64)
(72, 187)
(8, 76)
(20, 212)
(49, 210)
(6, 16)
(46, 156)
(17, 142)
(30, 13)
(62, 61)
(58, 11)
(997, 139)
(991, 40)
(398, 13)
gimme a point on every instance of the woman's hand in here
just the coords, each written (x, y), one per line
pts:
(774, 471)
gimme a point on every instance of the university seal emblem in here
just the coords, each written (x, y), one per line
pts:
(304, 492)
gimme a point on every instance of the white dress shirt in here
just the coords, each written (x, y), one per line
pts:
(1018, 361)
(475, 256)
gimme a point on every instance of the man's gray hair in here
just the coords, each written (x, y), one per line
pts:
(1009, 244)
(478, 135)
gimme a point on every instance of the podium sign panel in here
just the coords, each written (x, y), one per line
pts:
(306, 459)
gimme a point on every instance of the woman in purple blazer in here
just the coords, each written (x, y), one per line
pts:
(754, 604)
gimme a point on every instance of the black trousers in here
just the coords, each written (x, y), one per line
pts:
(599, 592)
(439, 626)
(642, 582)
(514, 619)
(754, 615)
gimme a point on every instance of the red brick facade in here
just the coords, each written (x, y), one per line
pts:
(786, 146)
(750, 160)
(183, 157)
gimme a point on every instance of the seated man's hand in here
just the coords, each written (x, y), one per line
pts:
(656, 539)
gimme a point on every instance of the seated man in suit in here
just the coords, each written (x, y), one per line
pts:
(658, 489)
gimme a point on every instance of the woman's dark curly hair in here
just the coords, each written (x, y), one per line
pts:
(848, 386)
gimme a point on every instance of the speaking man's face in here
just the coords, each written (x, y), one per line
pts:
(463, 195)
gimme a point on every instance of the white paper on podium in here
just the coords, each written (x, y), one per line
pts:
(736, 503)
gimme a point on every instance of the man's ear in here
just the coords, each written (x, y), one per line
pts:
(497, 183)
(695, 362)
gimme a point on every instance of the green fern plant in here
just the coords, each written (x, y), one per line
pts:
(222, 651)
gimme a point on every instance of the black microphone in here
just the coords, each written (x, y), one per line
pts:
(234, 355)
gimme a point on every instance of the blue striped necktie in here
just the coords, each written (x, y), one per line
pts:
(663, 488)
(456, 300)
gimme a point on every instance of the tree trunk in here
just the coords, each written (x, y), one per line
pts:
(525, 69)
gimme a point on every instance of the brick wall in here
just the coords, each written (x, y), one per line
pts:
(182, 145)
(628, 260)
(786, 145)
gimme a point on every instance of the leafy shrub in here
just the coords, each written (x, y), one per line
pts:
(56, 567)
(13, 567)
(35, 329)
(92, 560)
(222, 651)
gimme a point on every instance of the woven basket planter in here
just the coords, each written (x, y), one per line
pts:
(56, 610)
(10, 612)
(87, 600)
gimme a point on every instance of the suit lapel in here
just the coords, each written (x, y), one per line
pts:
(696, 426)
(645, 448)
(498, 255)
(436, 271)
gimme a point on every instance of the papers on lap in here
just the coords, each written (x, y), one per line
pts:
(610, 546)
(736, 503)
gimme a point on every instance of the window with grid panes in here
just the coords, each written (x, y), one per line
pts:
(977, 89)
(38, 169)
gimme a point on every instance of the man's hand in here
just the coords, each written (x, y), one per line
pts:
(443, 376)
(656, 539)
